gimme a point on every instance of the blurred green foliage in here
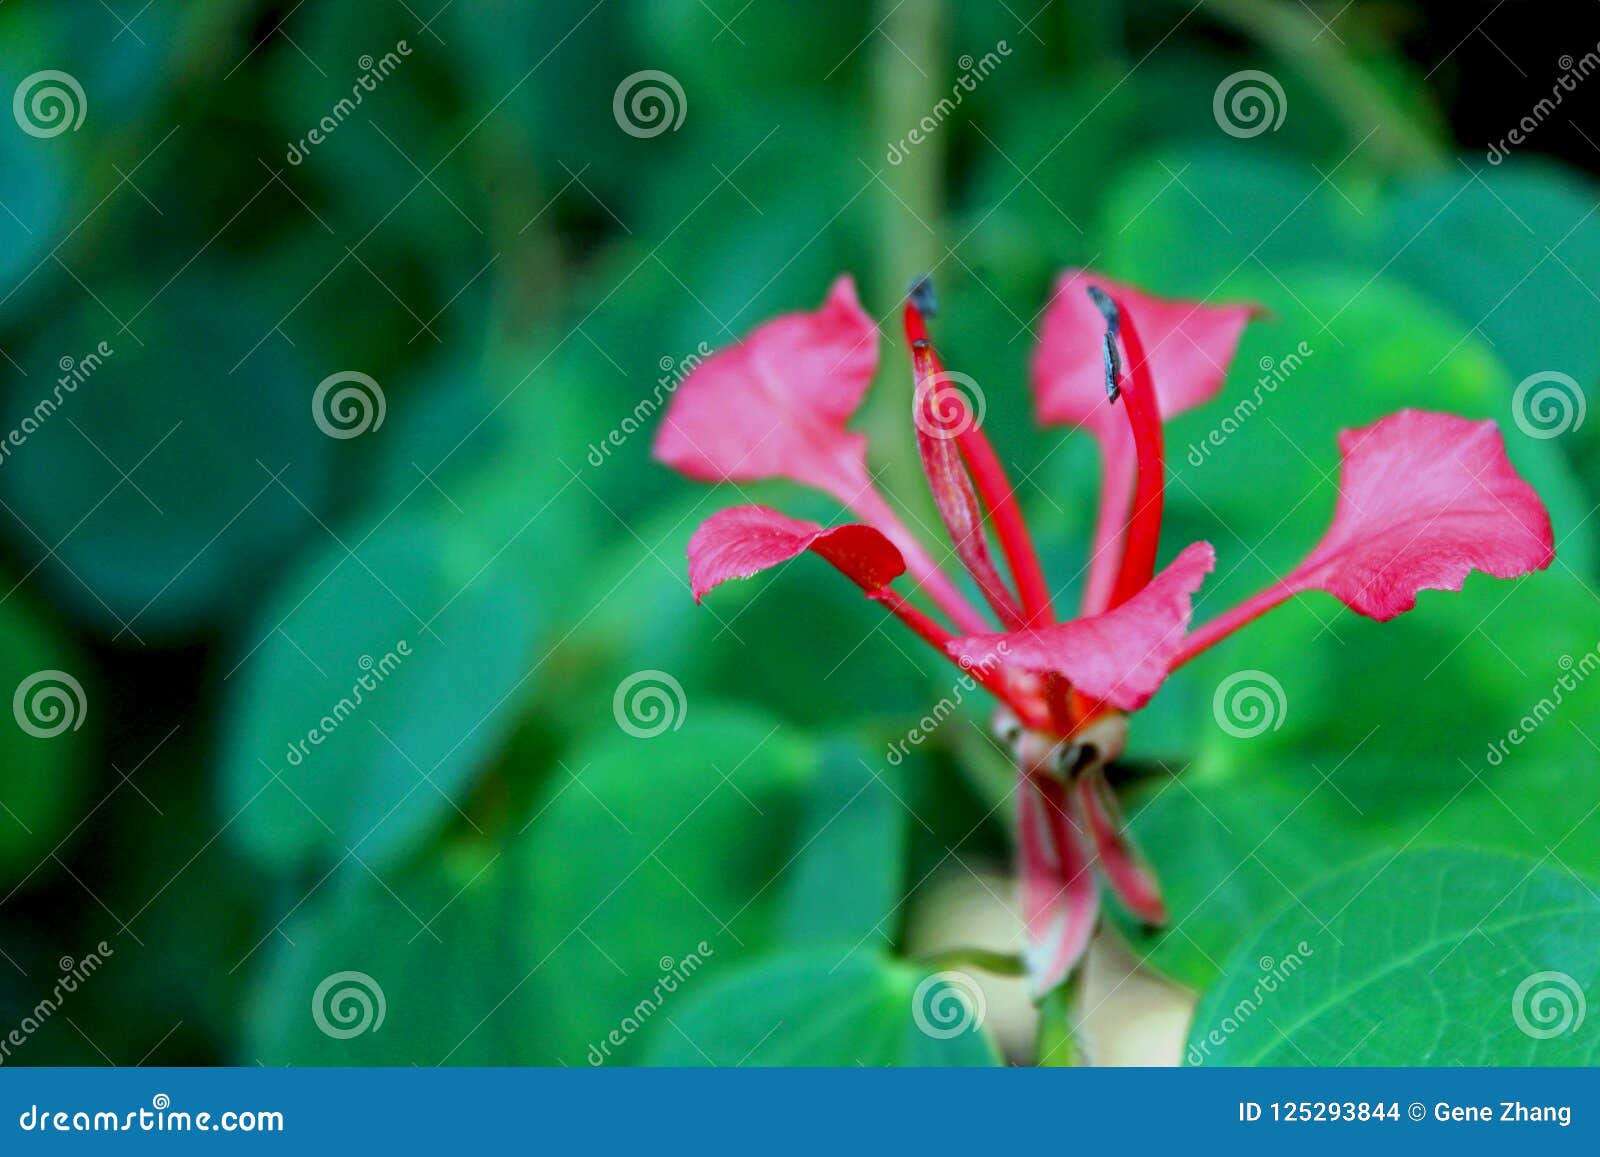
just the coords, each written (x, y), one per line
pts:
(479, 837)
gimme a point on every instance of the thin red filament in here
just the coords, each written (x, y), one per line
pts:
(1138, 395)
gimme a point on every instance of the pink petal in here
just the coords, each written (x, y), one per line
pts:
(1189, 346)
(1125, 870)
(1122, 656)
(743, 540)
(775, 404)
(1424, 499)
(1060, 902)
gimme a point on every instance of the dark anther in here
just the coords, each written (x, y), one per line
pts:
(1107, 307)
(1108, 310)
(1113, 370)
(1074, 758)
(922, 296)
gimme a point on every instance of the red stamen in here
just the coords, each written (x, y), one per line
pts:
(991, 679)
(1225, 624)
(1139, 398)
(989, 476)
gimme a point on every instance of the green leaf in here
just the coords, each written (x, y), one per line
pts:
(153, 496)
(847, 877)
(824, 1008)
(370, 690)
(639, 854)
(1508, 250)
(47, 740)
(1185, 222)
(1370, 753)
(1441, 957)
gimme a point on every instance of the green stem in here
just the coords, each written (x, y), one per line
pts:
(986, 959)
(910, 205)
(1349, 90)
(1059, 1044)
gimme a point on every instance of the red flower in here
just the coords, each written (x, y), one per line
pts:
(1424, 498)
